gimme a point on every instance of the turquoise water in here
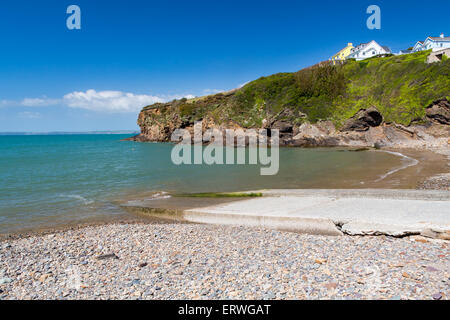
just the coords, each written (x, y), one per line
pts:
(45, 180)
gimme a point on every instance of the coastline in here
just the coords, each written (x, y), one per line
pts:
(224, 160)
(138, 257)
(431, 163)
(431, 172)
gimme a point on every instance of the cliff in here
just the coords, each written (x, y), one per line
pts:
(386, 101)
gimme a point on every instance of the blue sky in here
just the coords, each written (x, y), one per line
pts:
(129, 53)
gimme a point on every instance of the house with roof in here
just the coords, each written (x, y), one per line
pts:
(368, 50)
(433, 43)
(418, 46)
(343, 54)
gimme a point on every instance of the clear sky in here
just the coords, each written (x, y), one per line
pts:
(135, 52)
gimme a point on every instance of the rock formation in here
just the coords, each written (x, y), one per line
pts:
(365, 129)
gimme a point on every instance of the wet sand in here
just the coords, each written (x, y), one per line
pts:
(429, 164)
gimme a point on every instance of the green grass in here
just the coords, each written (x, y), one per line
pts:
(222, 195)
(400, 87)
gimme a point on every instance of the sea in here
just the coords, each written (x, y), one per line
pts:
(49, 180)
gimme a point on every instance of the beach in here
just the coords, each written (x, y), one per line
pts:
(49, 181)
(191, 261)
(142, 256)
(202, 151)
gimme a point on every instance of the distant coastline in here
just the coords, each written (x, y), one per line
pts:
(61, 133)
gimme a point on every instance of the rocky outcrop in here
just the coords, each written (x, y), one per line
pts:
(283, 126)
(363, 120)
(365, 129)
(156, 125)
(439, 111)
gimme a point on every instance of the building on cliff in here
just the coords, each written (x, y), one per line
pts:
(433, 43)
(368, 50)
(343, 54)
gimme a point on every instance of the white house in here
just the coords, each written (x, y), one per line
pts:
(433, 43)
(418, 46)
(368, 50)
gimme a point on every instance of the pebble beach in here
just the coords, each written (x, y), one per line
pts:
(194, 261)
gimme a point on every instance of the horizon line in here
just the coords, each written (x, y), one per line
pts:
(68, 132)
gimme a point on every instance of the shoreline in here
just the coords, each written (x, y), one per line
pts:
(125, 219)
(413, 162)
(137, 258)
(431, 162)
(431, 172)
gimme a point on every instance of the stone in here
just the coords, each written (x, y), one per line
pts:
(422, 240)
(439, 111)
(431, 269)
(320, 261)
(436, 234)
(107, 256)
(437, 296)
(5, 280)
(331, 285)
(44, 277)
(283, 126)
(136, 282)
(267, 286)
(363, 120)
(378, 145)
(269, 295)
(187, 262)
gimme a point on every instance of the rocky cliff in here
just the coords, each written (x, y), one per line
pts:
(393, 101)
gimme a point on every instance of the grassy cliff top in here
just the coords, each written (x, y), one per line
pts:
(400, 87)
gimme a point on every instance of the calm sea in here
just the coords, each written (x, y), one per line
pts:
(47, 180)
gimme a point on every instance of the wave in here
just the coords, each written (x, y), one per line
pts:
(160, 195)
(77, 197)
(412, 162)
(155, 196)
